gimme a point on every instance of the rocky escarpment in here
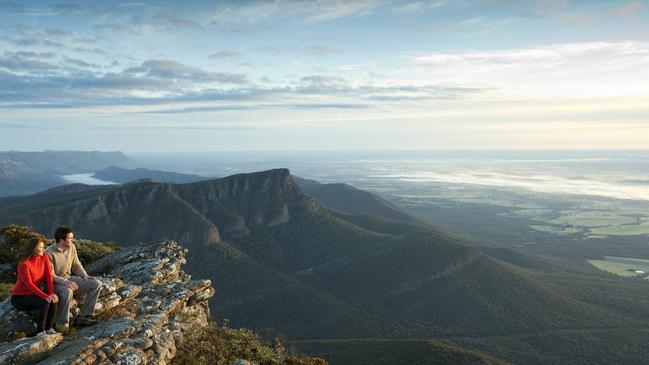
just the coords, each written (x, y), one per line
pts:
(146, 305)
(237, 203)
(202, 212)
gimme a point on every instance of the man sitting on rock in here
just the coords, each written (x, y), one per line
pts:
(64, 259)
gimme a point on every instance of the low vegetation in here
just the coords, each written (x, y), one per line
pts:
(218, 345)
(396, 352)
(15, 238)
(5, 290)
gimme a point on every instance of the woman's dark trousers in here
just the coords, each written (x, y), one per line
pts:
(32, 302)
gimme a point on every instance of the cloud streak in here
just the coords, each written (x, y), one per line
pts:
(558, 70)
(33, 83)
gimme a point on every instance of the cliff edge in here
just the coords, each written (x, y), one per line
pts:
(146, 305)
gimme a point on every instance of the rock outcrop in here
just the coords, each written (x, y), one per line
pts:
(147, 303)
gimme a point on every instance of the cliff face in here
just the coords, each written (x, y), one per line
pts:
(197, 213)
(238, 202)
(146, 305)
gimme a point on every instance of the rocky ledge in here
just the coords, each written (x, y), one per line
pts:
(146, 304)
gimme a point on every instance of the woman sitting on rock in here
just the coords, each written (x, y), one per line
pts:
(34, 270)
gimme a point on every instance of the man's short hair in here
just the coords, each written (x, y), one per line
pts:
(61, 233)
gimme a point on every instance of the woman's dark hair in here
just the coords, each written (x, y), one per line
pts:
(61, 233)
(29, 247)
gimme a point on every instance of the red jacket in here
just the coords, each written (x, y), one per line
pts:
(31, 274)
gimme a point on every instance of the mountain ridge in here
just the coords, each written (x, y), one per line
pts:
(284, 262)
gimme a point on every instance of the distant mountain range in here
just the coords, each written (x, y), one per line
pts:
(121, 175)
(23, 173)
(323, 262)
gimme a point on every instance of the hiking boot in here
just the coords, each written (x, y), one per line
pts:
(51, 331)
(82, 321)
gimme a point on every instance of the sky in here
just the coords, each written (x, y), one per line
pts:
(324, 75)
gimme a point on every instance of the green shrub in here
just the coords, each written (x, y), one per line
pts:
(5, 290)
(221, 345)
(89, 251)
(15, 238)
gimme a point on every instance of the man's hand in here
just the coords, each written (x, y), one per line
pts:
(71, 284)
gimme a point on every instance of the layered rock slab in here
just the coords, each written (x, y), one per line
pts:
(146, 304)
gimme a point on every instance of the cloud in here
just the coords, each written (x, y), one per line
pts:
(54, 39)
(111, 27)
(13, 125)
(248, 107)
(167, 82)
(172, 70)
(173, 18)
(57, 32)
(533, 8)
(20, 9)
(66, 82)
(559, 70)
(330, 10)
(417, 7)
(323, 81)
(95, 50)
(28, 62)
(197, 109)
(80, 64)
(72, 8)
(322, 50)
(582, 19)
(226, 55)
(30, 54)
(238, 16)
(629, 10)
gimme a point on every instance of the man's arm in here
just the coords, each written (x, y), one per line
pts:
(77, 268)
(57, 279)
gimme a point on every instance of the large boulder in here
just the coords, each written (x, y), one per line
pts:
(146, 304)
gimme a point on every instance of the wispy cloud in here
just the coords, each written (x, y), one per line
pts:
(629, 10)
(530, 7)
(33, 83)
(236, 16)
(568, 69)
(323, 50)
(226, 55)
(582, 19)
(172, 17)
(175, 71)
(416, 7)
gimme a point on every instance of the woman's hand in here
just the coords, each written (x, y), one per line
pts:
(52, 298)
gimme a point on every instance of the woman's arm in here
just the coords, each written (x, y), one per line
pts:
(49, 276)
(25, 275)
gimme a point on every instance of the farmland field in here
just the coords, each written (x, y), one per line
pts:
(621, 265)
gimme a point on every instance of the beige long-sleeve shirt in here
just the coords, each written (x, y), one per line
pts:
(64, 263)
